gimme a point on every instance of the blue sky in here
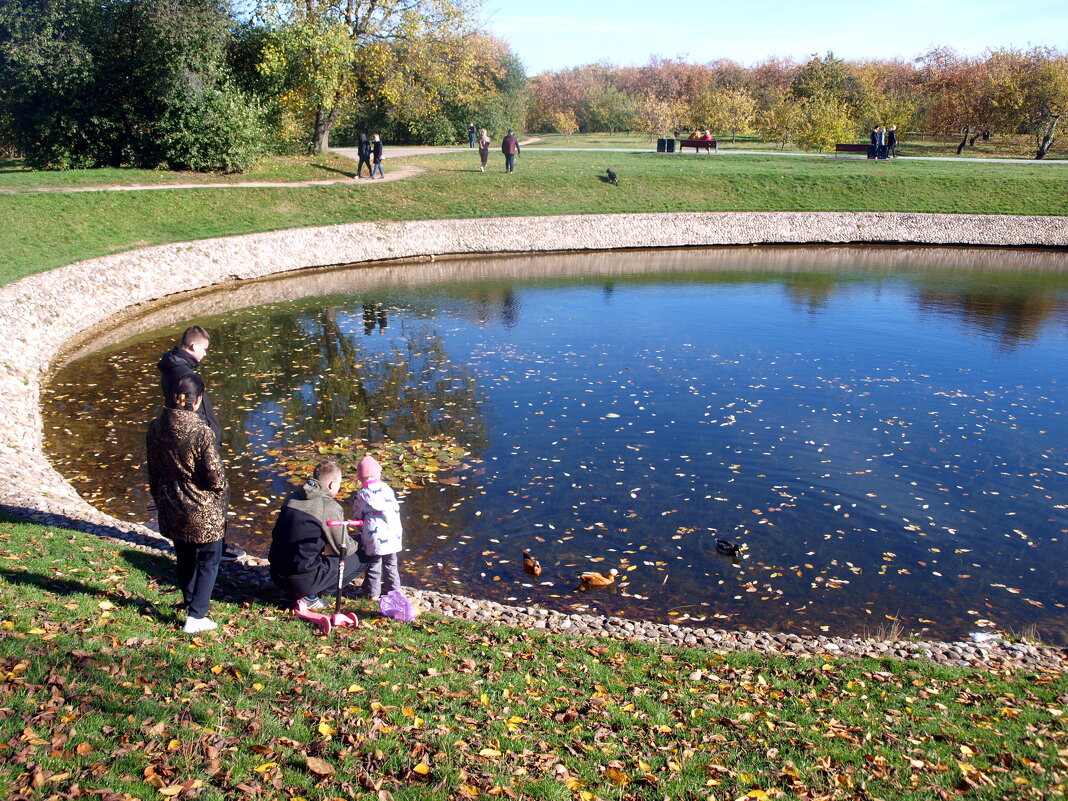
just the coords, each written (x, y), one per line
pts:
(551, 34)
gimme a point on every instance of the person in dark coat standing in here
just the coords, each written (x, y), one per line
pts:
(188, 485)
(472, 133)
(363, 153)
(376, 151)
(510, 148)
(891, 141)
(304, 555)
(182, 360)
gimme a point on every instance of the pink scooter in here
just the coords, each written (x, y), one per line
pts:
(339, 619)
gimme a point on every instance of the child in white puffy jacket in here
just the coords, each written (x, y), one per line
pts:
(377, 506)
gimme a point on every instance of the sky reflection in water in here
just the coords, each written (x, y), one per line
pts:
(882, 428)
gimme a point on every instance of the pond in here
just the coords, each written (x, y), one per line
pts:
(882, 429)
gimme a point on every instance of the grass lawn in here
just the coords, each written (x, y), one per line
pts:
(100, 691)
(45, 230)
(15, 177)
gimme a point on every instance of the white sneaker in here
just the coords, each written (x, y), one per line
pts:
(195, 625)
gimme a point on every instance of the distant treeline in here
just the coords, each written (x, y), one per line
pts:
(815, 104)
(190, 84)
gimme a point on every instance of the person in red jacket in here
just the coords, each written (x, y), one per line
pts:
(510, 148)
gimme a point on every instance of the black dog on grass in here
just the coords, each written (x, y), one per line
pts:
(613, 178)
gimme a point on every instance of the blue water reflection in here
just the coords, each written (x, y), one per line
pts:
(885, 437)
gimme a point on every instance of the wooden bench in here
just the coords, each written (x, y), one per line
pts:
(697, 144)
(850, 147)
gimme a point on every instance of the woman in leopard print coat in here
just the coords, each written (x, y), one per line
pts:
(189, 487)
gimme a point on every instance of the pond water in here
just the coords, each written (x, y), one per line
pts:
(883, 429)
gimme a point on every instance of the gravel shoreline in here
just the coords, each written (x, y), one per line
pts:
(49, 312)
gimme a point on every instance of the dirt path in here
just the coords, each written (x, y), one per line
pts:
(397, 173)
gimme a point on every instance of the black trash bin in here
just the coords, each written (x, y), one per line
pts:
(661, 145)
(670, 145)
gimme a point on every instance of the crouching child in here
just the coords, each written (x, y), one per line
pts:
(305, 552)
(377, 506)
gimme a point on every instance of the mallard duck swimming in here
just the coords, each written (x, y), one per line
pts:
(593, 579)
(727, 547)
(531, 566)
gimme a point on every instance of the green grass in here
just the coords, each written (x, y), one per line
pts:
(100, 691)
(45, 230)
(16, 177)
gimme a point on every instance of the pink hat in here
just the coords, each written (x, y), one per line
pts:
(368, 468)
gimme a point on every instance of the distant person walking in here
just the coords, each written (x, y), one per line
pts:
(483, 148)
(881, 142)
(363, 153)
(376, 152)
(891, 142)
(510, 148)
(185, 476)
(472, 133)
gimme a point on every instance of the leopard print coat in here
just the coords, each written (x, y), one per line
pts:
(185, 474)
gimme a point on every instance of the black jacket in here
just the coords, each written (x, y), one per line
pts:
(363, 147)
(176, 363)
(298, 562)
(376, 149)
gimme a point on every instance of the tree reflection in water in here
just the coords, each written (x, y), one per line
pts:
(806, 400)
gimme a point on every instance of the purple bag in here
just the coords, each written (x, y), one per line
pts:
(397, 605)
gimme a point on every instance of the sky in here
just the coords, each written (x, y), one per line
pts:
(554, 34)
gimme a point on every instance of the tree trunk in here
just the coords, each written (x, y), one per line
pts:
(320, 138)
(1047, 140)
(964, 141)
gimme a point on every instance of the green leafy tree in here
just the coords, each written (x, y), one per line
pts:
(606, 108)
(826, 77)
(88, 84)
(331, 55)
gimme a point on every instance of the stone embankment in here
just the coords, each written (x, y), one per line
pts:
(46, 315)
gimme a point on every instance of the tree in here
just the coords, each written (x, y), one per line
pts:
(956, 94)
(605, 108)
(781, 121)
(823, 121)
(826, 77)
(331, 52)
(655, 117)
(86, 84)
(564, 123)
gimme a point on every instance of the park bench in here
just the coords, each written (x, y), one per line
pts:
(697, 144)
(850, 147)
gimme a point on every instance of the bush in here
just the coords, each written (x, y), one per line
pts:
(210, 129)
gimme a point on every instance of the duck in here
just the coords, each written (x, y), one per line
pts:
(727, 547)
(593, 579)
(531, 565)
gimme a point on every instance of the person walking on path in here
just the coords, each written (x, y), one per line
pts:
(182, 360)
(376, 152)
(483, 148)
(472, 132)
(510, 148)
(188, 485)
(305, 553)
(363, 153)
(381, 534)
(891, 141)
